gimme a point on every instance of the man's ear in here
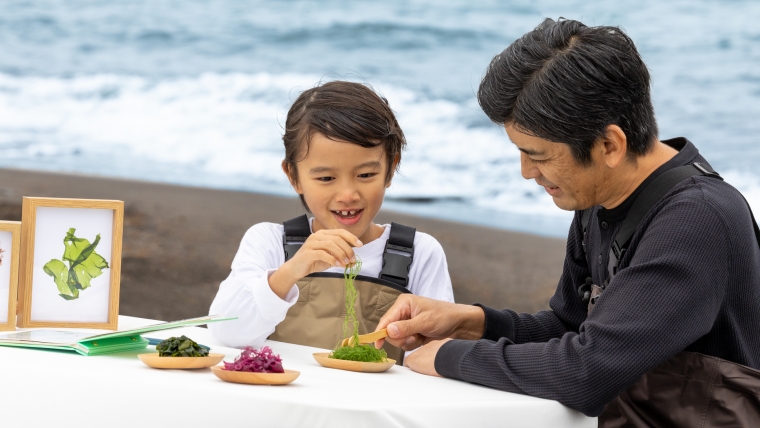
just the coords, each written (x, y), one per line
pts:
(396, 160)
(292, 177)
(614, 146)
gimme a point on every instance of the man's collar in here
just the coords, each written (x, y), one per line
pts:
(687, 153)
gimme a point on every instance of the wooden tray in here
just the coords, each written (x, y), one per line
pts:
(153, 360)
(354, 366)
(253, 378)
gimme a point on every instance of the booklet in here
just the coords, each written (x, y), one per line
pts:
(97, 344)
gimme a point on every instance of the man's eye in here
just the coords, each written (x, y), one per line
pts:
(538, 160)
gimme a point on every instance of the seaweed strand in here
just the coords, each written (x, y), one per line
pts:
(355, 351)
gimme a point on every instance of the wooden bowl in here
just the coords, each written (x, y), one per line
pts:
(354, 366)
(153, 360)
(253, 378)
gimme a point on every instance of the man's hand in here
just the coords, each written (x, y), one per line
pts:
(423, 359)
(413, 321)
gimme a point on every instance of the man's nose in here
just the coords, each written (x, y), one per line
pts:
(528, 168)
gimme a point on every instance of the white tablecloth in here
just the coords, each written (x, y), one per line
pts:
(41, 388)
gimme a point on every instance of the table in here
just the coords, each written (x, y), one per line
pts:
(61, 389)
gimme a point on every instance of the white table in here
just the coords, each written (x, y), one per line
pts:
(57, 389)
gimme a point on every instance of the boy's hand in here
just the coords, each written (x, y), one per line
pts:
(322, 250)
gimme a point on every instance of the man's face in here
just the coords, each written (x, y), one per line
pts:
(571, 185)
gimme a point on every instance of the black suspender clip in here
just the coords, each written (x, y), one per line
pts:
(294, 234)
(396, 262)
(398, 254)
(292, 244)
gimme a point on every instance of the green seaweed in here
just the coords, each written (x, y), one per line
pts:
(181, 346)
(355, 351)
(364, 353)
(84, 265)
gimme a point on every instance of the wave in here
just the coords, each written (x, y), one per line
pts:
(224, 130)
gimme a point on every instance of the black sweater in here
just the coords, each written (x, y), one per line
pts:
(689, 281)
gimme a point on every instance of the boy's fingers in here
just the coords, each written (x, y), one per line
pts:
(343, 245)
(346, 236)
(334, 250)
(324, 256)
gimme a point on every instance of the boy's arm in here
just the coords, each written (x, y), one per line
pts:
(246, 293)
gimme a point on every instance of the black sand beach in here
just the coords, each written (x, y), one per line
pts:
(179, 243)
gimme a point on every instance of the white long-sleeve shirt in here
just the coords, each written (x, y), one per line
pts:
(246, 293)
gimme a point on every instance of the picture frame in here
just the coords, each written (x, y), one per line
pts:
(70, 265)
(10, 243)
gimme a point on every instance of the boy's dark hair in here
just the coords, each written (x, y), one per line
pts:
(345, 111)
(566, 82)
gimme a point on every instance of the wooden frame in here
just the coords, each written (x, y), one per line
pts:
(9, 266)
(32, 273)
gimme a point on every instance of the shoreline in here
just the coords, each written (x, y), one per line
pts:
(179, 242)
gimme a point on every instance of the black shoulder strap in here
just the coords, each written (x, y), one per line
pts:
(653, 192)
(296, 232)
(585, 218)
(398, 254)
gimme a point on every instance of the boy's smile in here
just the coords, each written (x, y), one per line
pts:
(348, 217)
(343, 185)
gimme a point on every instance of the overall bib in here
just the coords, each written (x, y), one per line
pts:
(689, 389)
(317, 317)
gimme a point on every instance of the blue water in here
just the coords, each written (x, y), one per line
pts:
(195, 92)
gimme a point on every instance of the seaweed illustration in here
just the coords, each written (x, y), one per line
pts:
(84, 265)
(1, 253)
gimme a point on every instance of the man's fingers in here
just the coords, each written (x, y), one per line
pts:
(403, 329)
(413, 342)
(400, 310)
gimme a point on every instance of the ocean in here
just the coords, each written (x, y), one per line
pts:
(196, 92)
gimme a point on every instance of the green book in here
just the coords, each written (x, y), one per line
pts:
(97, 344)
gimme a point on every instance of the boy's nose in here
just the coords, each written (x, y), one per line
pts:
(348, 194)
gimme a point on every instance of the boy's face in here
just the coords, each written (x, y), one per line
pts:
(571, 185)
(343, 184)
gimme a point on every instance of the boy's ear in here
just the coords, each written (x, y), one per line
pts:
(396, 160)
(291, 177)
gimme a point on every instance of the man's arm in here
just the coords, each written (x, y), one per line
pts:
(667, 298)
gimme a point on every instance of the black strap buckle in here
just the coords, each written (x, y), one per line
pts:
(291, 245)
(396, 263)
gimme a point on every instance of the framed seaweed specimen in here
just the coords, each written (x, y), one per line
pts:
(70, 263)
(10, 238)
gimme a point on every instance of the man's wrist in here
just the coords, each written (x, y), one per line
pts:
(448, 359)
(473, 323)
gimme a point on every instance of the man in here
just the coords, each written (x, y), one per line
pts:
(675, 319)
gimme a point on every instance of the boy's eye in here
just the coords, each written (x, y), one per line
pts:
(368, 175)
(325, 179)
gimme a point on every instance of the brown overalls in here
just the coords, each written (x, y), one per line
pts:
(689, 389)
(317, 317)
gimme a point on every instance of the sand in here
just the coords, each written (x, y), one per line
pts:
(179, 243)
